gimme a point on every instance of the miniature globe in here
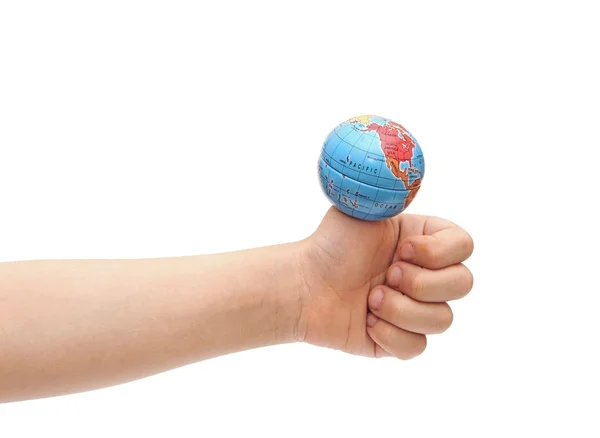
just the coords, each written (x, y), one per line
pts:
(371, 168)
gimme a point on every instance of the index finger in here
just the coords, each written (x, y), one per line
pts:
(441, 249)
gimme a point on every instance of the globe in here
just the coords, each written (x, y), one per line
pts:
(371, 168)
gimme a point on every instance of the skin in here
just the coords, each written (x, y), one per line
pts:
(68, 326)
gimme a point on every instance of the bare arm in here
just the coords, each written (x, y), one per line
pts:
(372, 289)
(75, 325)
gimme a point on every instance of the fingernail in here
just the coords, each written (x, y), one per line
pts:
(371, 320)
(394, 276)
(375, 299)
(407, 251)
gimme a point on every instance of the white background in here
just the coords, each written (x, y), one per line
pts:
(118, 118)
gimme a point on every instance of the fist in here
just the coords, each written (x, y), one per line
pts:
(413, 301)
(378, 288)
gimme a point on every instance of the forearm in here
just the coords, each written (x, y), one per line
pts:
(69, 326)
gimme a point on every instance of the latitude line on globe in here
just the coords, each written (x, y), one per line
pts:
(360, 172)
(340, 189)
(348, 143)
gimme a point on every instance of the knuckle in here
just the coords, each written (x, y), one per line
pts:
(432, 254)
(382, 332)
(417, 286)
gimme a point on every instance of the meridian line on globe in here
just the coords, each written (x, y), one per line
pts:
(373, 203)
(355, 205)
(381, 163)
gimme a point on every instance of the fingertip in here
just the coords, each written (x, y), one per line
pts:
(397, 342)
(469, 244)
(407, 251)
(394, 276)
(375, 298)
(371, 319)
(421, 347)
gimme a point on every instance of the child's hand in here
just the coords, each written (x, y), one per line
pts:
(377, 288)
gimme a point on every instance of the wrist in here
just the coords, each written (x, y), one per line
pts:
(254, 298)
(290, 292)
(269, 293)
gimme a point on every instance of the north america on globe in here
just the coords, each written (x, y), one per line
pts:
(371, 167)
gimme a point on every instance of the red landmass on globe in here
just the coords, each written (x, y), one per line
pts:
(397, 146)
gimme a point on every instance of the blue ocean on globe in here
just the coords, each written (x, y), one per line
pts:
(371, 168)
